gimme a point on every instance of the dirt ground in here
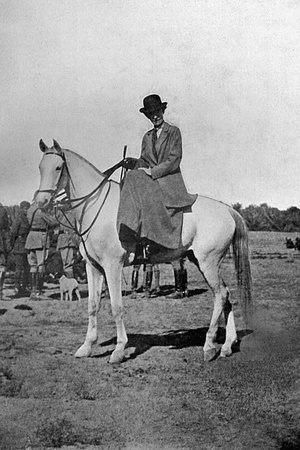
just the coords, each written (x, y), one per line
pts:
(164, 396)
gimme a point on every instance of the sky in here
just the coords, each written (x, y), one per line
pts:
(77, 72)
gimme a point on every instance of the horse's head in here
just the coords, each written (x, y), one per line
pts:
(53, 173)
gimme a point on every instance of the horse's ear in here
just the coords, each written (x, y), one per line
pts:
(43, 146)
(56, 146)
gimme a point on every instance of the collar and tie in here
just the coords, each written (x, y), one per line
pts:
(154, 140)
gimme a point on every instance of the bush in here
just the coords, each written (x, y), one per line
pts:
(10, 386)
(55, 434)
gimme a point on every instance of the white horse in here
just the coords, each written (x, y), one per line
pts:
(207, 232)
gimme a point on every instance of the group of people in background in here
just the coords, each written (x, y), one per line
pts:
(29, 239)
(151, 272)
(149, 220)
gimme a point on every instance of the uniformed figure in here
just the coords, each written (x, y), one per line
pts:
(18, 234)
(4, 233)
(67, 241)
(38, 244)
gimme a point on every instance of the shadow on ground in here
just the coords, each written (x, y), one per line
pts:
(167, 289)
(175, 339)
(164, 291)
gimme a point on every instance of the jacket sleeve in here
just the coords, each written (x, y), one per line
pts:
(172, 162)
(14, 231)
(15, 228)
(50, 220)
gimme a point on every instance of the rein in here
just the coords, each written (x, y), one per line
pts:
(80, 201)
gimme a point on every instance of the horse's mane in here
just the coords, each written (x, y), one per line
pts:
(84, 160)
(76, 155)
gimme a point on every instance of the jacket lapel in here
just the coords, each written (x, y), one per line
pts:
(149, 146)
(162, 137)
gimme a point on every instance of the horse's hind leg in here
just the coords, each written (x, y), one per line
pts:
(95, 280)
(231, 335)
(221, 293)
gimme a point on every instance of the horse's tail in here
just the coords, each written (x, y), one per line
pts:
(241, 257)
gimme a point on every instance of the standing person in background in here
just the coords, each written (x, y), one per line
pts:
(4, 232)
(148, 270)
(38, 244)
(156, 272)
(67, 241)
(181, 281)
(18, 234)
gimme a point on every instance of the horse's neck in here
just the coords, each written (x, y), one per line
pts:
(84, 177)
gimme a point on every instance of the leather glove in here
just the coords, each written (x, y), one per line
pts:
(129, 163)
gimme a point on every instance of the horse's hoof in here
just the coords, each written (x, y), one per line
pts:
(82, 352)
(225, 353)
(210, 354)
(117, 357)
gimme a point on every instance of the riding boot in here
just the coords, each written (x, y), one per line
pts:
(40, 283)
(178, 285)
(25, 282)
(156, 290)
(149, 277)
(18, 285)
(143, 287)
(2, 278)
(184, 282)
(33, 294)
(134, 282)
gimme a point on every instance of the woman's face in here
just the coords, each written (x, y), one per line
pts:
(156, 117)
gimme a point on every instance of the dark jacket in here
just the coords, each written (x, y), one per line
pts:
(165, 167)
(67, 237)
(4, 230)
(19, 232)
(4, 222)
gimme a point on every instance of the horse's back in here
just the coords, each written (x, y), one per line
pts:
(210, 221)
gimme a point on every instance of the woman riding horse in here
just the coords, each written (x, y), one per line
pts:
(154, 196)
(207, 232)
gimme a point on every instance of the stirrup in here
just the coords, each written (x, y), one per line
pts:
(147, 249)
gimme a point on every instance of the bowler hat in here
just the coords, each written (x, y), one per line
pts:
(152, 103)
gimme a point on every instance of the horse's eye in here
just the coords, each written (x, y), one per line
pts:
(58, 168)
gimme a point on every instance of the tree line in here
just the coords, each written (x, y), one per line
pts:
(258, 218)
(267, 218)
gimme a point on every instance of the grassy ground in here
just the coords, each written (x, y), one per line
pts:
(164, 396)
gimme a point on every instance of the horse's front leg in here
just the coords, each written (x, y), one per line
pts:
(95, 280)
(113, 273)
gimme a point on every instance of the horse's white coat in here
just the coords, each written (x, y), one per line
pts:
(208, 230)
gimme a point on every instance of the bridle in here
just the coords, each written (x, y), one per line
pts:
(54, 191)
(78, 201)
